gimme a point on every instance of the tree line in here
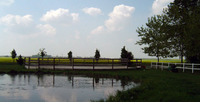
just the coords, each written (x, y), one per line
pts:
(124, 54)
(175, 32)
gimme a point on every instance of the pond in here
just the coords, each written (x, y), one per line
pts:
(58, 88)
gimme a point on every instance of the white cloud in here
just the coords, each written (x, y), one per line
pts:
(17, 24)
(60, 17)
(12, 20)
(6, 2)
(118, 19)
(46, 29)
(98, 30)
(159, 5)
(92, 11)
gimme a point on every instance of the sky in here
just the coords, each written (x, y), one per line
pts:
(80, 26)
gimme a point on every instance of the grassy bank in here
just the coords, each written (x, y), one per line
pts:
(156, 85)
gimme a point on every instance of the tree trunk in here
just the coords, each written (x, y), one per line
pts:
(158, 59)
(181, 58)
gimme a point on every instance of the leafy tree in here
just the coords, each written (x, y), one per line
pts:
(126, 54)
(97, 55)
(155, 37)
(20, 60)
(42, 52)
(70, 55)
(13, 54)
(184, 15)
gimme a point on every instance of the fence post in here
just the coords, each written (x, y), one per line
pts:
(29, 62)
(127, 61)
(151, 64)
(162, 65)
(183, 67)
(38, 63)
(168, 65)
(54, 63)
(192, 67)
(93, 64)
(112, 64)
(72, 63)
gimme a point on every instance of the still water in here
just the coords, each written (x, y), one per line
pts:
(58, 88)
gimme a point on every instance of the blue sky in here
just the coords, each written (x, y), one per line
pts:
(80, 26)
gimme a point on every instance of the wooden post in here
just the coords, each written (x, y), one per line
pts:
(29, 59)
(183, 67)
(72, 64)
(93, 63)
(38, 63)
(54, 63)
(127, 60)
(112, 63)
(162, 65)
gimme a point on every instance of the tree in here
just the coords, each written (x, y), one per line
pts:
(184, 15)
(155, 37)
(126, 54)
(13, 54)
(20, 60)
(97, 55)
(42, 52)
(70, 55)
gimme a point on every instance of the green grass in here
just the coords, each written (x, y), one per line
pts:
(159, 86)
(6, 60)
(162, 60)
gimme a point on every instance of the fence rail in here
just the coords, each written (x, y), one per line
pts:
(183, 66)
(80, 63)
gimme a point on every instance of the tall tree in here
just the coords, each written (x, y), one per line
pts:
(13, 54)
(184, 15)
(97, 55)
(42, 52)
(155, 37)
(70, 55)
(126, 54)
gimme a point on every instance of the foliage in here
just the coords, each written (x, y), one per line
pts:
(13, 54)
(97, 55)
(42, 52)
(185, 31)
(174, 33)
(126, 54)
(155, 36)
(20, 60)
(70, 55)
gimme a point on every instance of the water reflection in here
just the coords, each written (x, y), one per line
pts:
(58, 88)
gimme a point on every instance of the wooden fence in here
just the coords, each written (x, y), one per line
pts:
(80, 63)
(182, 66)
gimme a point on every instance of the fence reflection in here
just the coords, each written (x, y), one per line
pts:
(73, 81)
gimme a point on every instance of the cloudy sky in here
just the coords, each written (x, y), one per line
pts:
(80, 26)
